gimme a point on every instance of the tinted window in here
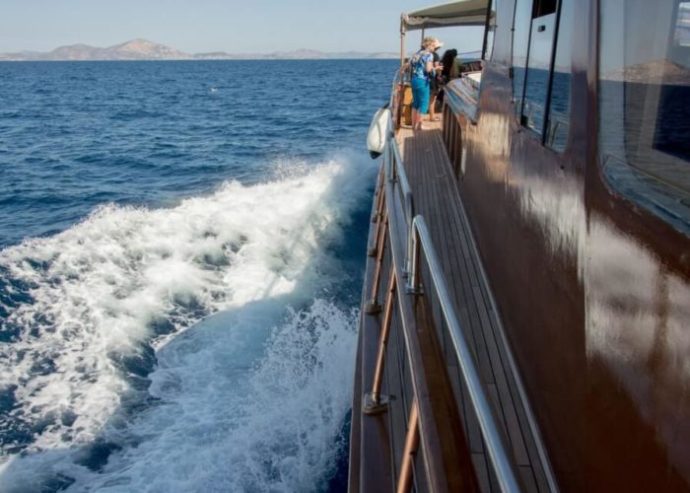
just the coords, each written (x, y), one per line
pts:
(644, 104)
(535, 80)
(490, 31)
(537, 77)
(559, 108)
(543, 7)
(521, 26)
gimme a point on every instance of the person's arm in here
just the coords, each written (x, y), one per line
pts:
(437, 63)
(429, 63)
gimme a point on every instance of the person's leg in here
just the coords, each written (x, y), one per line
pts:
(417, 102)
(423, 103)
(432, 106)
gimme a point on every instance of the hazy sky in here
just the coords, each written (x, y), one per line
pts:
(210, 25)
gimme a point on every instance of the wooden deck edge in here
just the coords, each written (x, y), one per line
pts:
(506, 350)
(369, 468)
(355, 422)
(439, 434)
(457, 457)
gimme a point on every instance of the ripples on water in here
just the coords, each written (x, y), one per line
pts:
(74, 135)
(139, 198)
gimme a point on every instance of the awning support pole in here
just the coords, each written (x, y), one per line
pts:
(402, 47)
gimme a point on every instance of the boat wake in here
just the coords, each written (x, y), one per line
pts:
(193, 348)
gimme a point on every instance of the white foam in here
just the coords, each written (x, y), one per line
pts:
(234, 412)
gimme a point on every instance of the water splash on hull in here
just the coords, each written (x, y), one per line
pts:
(113, 383)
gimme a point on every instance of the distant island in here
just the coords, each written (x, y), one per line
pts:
(142, 49)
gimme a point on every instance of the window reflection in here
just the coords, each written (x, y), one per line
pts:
(523, 16)
(491, 30)
(538, 64)
(644, 104)
(559, 108)
(535, 79)
(682, 34)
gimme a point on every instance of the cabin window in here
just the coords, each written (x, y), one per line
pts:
(542, 34)
(490, 32)
(521, 27)
(644, 105)
(558, 122)
(540, 79)
(540, 8)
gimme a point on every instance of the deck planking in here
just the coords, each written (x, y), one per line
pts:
(436, 197)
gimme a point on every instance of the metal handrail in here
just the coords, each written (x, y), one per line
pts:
(396, 173)
(419, 234)
(400, 80)
(394, 89)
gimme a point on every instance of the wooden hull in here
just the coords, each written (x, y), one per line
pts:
(594, 294)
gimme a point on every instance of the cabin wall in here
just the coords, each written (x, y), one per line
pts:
(594, 293)
(526, 213)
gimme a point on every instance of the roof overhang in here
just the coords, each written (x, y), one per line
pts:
(460, 13)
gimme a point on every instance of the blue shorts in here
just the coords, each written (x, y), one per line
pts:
(420, 94)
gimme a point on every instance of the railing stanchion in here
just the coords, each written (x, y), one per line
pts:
(373, 307)
(374, 402)
(381, 201)
(393, 175)
(405, 479)
(414, 285)
(379, 193)
(410, 247)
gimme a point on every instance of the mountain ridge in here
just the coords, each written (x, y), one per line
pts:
(143, 49)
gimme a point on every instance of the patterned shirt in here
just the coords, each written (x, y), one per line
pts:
(418, 64)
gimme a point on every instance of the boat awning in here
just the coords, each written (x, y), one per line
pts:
(461, 13)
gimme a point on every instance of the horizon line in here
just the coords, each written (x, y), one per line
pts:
(192, 53)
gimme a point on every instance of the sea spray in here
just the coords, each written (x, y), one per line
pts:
(92, 304)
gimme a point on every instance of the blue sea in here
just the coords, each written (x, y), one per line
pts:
(181, 252)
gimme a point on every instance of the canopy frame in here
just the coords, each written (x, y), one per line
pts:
(458, 13)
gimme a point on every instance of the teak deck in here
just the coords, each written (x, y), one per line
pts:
(436, 197)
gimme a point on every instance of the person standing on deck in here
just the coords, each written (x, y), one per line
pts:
(422, 67)
(451, 70)
(435, 84)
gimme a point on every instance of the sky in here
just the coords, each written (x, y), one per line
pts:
(194, 26)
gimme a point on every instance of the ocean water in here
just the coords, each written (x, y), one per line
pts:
(181, 253)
